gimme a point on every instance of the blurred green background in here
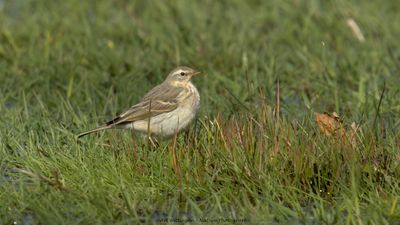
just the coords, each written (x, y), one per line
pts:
(100, 54)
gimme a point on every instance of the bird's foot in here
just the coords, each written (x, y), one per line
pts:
(153, 142)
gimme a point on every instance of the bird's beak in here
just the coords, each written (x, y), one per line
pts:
(195, 73)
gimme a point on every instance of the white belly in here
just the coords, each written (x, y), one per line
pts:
(168, 124)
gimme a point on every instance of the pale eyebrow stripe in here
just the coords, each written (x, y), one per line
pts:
(179, 71)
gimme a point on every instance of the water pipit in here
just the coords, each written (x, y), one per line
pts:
(164, 111)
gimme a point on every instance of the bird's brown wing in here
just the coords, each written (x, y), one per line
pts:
(161, 99)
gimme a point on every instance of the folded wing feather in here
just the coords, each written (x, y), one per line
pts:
(160, 99)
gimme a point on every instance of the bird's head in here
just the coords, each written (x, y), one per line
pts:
(181, 75)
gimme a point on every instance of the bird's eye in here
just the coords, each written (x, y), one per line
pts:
(182, 74)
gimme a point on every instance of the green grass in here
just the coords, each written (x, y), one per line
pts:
(67, 66)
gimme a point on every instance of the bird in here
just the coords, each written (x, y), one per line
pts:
(164, 111)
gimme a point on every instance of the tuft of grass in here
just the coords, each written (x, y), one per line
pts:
(254, 155)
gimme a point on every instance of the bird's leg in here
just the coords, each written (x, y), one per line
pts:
(134, 144)
(153, 141)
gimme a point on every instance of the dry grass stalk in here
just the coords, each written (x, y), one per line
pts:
(355, 29)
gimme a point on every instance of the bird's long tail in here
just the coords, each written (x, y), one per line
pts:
(104, 127)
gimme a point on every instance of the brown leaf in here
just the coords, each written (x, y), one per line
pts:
(332, 126)
(328, 124)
